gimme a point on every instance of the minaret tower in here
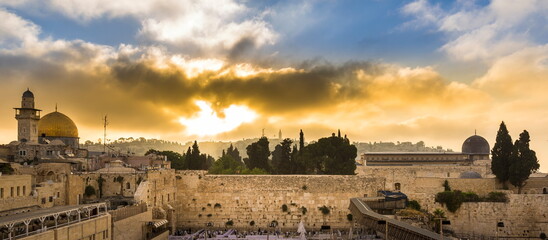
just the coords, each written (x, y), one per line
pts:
(27, 119)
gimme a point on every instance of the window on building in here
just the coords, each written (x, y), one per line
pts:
(397, 186)
(43, 200)
(24, 190)
(49, 152)
(128, 186)
(1, 193)
(22, 153)
(58, 194)
(544, 191)
(11, 192)
(51, 199)
(18, 191)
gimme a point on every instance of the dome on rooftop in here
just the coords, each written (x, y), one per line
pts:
(470, 174)
(56, 124)
(476, 145)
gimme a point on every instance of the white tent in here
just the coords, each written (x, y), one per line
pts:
(302, 230)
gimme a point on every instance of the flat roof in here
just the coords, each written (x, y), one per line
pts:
(415, 153)
(42, 212)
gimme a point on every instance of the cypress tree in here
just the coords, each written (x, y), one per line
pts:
(301, 140)
(500, 155)
(523, 161)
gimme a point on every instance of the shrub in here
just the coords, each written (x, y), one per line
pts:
(413, 204)
(89, 191)
(229, 223)
(252, 223)
(497, 197)
(446, 186)
(217, 205)
(304, 187)
(284, 208)
(450, 199)
(209, 204)
(203, 209)
(470, 197)
(325, 210)
(349, 217)
(209, 215)
(6, 168)
(200, 215)
(304, 210)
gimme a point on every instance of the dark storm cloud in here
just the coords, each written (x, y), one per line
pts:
(270, 92)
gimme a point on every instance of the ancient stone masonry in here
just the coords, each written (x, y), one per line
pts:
(254, 201)
(523, 216)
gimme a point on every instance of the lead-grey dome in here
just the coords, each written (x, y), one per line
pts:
(476, 145)
(470, 174)
(28, 94)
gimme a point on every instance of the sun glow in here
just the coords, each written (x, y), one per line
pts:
(207, 122)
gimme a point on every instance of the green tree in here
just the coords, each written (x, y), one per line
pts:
(500, 155)
(258, 153)
(226, 165)
(332, 155)
(523, 161)
(281, 158)
(234, 153)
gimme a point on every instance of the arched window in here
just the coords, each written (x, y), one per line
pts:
(397, 186)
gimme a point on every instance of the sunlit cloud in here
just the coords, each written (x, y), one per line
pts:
(207, 122)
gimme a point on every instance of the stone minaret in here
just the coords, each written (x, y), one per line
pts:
(27, 119)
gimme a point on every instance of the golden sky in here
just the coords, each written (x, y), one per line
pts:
(236, 74)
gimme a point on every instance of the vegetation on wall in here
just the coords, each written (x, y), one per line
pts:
(413, 204)
(284, 208)
(229, 223)
(324, 209)
(452, 200)
(6, 168)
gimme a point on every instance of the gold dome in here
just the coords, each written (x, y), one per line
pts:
(56, 124)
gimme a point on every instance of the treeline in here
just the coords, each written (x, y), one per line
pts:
(513, 162)
(331, 155)
(191, 160)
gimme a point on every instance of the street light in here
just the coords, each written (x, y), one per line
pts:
(383, 222)
(443, 222)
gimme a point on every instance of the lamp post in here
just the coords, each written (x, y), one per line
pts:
(385, 223)
(499, 225)
(443, 222)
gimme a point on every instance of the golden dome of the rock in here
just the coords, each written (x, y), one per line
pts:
(56, 124)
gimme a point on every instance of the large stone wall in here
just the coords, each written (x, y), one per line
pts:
(524, 215)
(259, 198)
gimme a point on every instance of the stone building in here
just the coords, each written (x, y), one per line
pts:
(475, 151)
(53, 136)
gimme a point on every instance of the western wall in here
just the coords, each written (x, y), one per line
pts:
(258, 199)
(523, 216)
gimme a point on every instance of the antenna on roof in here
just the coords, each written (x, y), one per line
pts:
(56, 107)
(475, 132)
(105, 123)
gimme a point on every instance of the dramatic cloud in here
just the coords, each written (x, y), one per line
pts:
(208, 28)
(483, 33)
